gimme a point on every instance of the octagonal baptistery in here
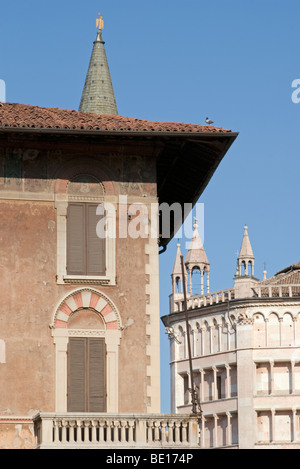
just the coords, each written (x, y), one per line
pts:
(245, 350)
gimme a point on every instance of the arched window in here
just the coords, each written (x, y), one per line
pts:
(273, 331)
(206, 338)
(86, 330)
(196, 274)
(178, 285)
(198, 340)
(181, 345)
(287, 330)
(250, 269)
(232, 333)
(215, 337)
(192, 341)
(259, 330)
(224, 335)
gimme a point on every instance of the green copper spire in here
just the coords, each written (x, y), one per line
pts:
(98, 94)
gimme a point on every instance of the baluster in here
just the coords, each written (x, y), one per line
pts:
(101, 431)
(171, 432)
(184, 432)
(108, 431)
(79, 430)
(177, 432)
(156, 430)
(55, 432)
(116, 425)
(149, 431)
(130, 431)
(71, 431)
(86, 426)
(94, 431)
(163, 431)
(63, 431)
(123, 430)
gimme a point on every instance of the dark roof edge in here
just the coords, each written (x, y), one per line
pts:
(53, 130)
(289, 268)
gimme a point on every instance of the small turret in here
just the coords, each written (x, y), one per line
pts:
(246, 257)
(176, 275)
(244, 280)
(196, 259)
(176, 296)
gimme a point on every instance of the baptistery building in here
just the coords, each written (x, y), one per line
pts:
(243, 343)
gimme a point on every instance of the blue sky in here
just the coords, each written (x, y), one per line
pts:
(173, 60)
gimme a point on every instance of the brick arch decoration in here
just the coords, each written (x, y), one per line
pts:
(90, 299)
(75, 168)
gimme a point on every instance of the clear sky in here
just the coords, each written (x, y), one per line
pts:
(175, 60)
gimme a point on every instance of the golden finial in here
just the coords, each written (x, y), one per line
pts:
(100, 22)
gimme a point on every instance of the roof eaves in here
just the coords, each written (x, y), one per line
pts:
(180, 133)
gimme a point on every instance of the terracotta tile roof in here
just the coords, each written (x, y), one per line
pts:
(15, 116)
(288, 276)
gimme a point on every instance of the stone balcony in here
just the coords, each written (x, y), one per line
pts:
(208, 299)
(113, 431)
(198, 301)
(277, 291)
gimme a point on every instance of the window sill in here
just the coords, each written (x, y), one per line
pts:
(86, 280)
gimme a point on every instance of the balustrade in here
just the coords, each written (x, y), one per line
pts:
(278, 291)
(264, 291)
(198, 301)
(113, 431)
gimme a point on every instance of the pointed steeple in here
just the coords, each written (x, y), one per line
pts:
(244, 280)
(246, 257)
(196, 259)
(176, 276)
(98, 94)
(177, 264)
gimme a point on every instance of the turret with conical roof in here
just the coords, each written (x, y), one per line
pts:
(176, 275)
(98, 94)
(196, 259)
(246, 257)
(244, 280)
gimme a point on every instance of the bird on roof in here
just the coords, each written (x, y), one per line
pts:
(208, 121)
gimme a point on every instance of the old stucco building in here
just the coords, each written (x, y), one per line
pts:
(79, 315)
(245, 349)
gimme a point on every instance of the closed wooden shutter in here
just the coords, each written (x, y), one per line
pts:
(86, 375)
(95, 245)
(85, 250)
(97, 388)
(76, 239)
(77, 375)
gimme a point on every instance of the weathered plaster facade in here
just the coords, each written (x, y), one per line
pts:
(37, 300)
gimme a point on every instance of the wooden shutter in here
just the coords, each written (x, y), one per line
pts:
(77, 375)
(76, 239)
(85, 250)
(95, 246)
(97, 388)
(86, 375)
